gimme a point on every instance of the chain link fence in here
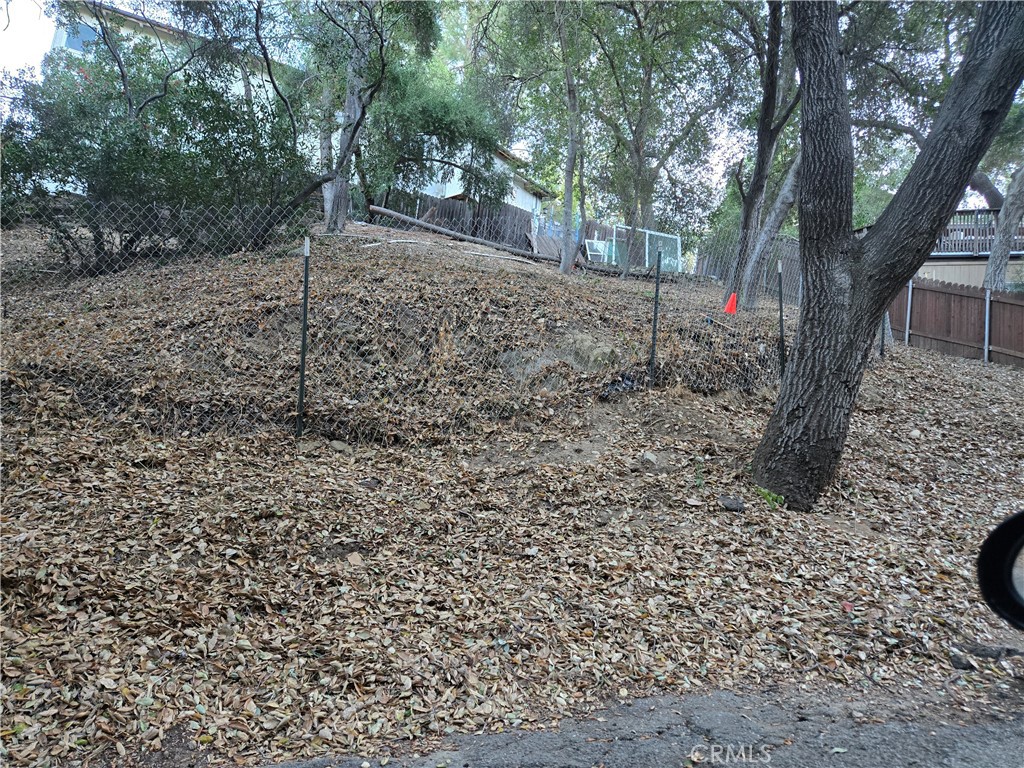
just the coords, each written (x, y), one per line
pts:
(189, 321)
(176, 320)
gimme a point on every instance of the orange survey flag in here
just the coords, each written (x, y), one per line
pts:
(730, 305)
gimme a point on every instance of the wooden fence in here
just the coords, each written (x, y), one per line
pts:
(961, 320)
(504, 224)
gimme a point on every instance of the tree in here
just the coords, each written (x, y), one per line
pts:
(351, 48)
(1008, 221)
(119, 122)
(902, 63)
(780, 96)
(848, 283)
(543, 52)
(662, 83)
(427, 126)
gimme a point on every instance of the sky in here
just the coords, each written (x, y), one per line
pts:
(25, 33)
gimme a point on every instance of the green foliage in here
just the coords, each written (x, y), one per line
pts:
(198, 143)
(17, 180)
(425, 127)
(774, 500)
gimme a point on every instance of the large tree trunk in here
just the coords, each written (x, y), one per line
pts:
(357, 100)
(849, 283)
(583, 204)
(340, 194)
(982, 184)
(327, 145)
(1006, 228)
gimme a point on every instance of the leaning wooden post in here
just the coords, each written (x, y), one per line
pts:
(299, 419)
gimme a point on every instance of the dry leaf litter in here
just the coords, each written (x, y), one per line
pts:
(455, 545)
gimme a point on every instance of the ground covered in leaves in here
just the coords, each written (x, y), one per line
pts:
(468, 537)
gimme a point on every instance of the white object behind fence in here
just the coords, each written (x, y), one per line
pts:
(672, 259)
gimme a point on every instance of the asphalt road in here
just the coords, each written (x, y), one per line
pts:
(724, 728)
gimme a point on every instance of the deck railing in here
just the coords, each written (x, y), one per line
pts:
(970, 233)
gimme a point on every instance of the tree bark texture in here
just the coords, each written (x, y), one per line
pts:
(1006, 227)
(583, 202)
(982, 184)
(327, 145)
(784, 202)
(848, 283)
(354, 115)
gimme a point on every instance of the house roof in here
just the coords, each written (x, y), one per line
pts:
(529, 184)
(148, 24)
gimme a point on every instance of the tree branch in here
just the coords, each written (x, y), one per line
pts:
(270, 73)
(978, 101)
(167, 78)
(115, 53)
(894, 127)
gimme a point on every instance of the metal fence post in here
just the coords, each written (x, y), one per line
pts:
(988, 322)
(299, 419)
(647, 249)
(782, 327)
(654, 324)
(910, 298)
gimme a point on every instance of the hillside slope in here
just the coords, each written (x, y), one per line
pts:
(469, 537)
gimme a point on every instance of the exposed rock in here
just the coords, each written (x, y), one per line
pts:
(732, 503)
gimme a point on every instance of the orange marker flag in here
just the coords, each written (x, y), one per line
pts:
(730, 305)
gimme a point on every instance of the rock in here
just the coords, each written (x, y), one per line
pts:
(650, 459)
(371, 482)
(590, 353)
(340, 446)
(732, 503)
(960, 661)
(915, 434)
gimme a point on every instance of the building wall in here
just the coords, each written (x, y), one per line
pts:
(518, 195)
(967, 271)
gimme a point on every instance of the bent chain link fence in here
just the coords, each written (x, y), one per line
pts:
(707, 349)
(177, 320)
(190, 321)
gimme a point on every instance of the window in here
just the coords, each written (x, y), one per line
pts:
(79, 36)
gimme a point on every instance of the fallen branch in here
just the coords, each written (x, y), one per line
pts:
(596, 268)
(457, 235)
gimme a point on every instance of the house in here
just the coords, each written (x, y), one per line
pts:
(961, 253)
(525, 194)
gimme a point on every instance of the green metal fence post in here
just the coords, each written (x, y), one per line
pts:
(300, 418)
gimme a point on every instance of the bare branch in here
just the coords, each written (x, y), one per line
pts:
(115, 53)
(894, 127)
(167, 78)
(270, 72)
